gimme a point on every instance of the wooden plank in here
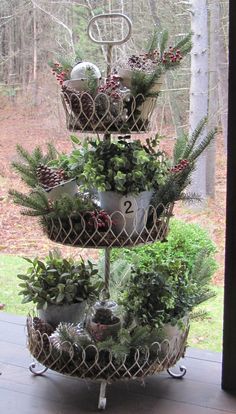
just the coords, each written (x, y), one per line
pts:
(14, 319)
(13, 333)
(229, 336)
(162, 387)
(14, 354)
(185, 391)
(86, 402)
(204, 355)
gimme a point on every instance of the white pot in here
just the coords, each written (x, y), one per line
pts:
(128, 212)
(79, 71)
(68, 187)
(126, 76)
(173, 335)
(54, 314)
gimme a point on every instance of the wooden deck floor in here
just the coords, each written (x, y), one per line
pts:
(22, 393)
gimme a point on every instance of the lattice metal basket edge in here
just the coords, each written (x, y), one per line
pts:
(102, 365)
(146, 226)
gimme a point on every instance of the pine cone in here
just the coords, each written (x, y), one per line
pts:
(42, 326)
(81, 103)
(49, 177)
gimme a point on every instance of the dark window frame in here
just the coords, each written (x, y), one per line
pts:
(229, 332)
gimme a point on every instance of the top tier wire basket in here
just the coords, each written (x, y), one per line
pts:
(110, 111)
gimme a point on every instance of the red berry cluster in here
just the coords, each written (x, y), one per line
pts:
(99, 220)
(59, 72)
(180, 167)
(111, 86)
(172, 55)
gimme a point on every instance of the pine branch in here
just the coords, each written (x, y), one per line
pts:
(36, 202)
(186, 40)
(200, 314)
(190, 198)
(179, 148)
(193, 139)
(26, 173)
(152, 42)
(203, 145)
(172, 190)
(163, 41)
(52, 152)
(25, 155)
(27, 168)
(37, 157)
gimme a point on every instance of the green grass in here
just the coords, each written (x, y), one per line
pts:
(207, 333)
(10, 266)
(204, 334)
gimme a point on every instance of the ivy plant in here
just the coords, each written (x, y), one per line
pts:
(123, 166)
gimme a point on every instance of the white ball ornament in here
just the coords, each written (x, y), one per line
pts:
(79, 71)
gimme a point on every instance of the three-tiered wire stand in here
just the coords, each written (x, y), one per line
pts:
(91, 363)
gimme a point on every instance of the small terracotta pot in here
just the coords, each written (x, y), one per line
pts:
(100, 332)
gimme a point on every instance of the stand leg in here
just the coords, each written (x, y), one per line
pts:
(182, 369)
(32, 369)
(102, 396)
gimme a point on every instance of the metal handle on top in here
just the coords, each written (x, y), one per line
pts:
(109, 43)
(106, 16)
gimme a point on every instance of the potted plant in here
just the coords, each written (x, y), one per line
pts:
(125, 173)
(143, 73)
(59, 287)
(102, 322)
(39, 170)
(166, 281)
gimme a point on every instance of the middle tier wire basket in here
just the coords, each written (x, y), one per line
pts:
(98, 229)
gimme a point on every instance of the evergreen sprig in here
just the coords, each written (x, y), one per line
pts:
(190, 143)
(163, 39)
(185, 149)
(28, 162)
(36, 203)
(203, 145)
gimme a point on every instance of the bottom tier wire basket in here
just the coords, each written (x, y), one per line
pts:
(101, 364)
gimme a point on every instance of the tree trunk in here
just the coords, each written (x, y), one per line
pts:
(222, 68)
(35, 57)
(214, 8)
(199, 85)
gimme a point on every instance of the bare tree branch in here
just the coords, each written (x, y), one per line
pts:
(60, 22)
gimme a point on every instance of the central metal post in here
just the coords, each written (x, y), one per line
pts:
(107, 273)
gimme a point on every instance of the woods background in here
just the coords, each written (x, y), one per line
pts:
(34, 32)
